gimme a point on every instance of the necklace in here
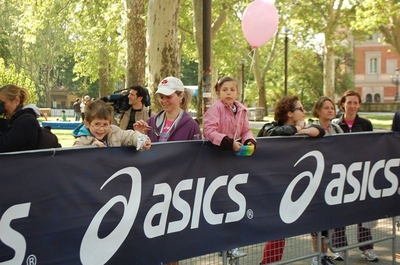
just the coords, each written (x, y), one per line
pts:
(234, 109)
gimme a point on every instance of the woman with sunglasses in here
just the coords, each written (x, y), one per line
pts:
(289, 120)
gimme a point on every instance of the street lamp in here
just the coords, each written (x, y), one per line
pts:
(242, 62)
(286, 33)
(396, 81)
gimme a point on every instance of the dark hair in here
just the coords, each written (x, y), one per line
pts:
(223, 80)
(98, 109)
(346, 94)
(140, 92)
(318, 105)
(282, 108)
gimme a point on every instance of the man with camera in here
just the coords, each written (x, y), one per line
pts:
(138, 97)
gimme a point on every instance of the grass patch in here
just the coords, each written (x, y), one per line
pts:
(65, 137)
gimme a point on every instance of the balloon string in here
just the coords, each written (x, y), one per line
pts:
(251, 55)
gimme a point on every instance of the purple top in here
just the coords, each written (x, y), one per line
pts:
(185, 128)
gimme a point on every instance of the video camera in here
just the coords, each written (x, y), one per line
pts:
(120, 101)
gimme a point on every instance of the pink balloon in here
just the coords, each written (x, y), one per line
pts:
(259, 23)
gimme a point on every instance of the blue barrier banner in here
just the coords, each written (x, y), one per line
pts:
(185, 199)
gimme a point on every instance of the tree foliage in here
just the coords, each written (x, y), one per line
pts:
(379, 16)
(9, 75)
(91, 47)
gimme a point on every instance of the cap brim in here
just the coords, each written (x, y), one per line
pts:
(165, 91)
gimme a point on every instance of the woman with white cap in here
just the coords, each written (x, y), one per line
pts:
(173, 123)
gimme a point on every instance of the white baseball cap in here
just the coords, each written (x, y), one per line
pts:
(170, 85)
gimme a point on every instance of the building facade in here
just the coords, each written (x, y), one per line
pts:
(62, 98)
(376, 65)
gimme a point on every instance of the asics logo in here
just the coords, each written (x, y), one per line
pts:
(95, 250)
(359, 175)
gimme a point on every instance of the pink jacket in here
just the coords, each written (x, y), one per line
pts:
(219, 121)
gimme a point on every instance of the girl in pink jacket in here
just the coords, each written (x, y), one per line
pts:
(226, 125)
(225, 122)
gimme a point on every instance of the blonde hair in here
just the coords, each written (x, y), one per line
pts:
(13, 91)
(318, 105)
(187, 97)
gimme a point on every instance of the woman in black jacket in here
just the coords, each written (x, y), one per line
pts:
(19, 128)
(350, 103)
(289, 120)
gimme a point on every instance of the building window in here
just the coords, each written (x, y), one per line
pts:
(391, 65)
(373, 65)
(377, 98)
(368, 98)
(375, 37)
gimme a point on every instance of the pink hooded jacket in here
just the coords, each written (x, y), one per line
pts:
(220, 121)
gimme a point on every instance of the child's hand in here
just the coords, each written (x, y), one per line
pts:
(141, 126)
(143, 142)
(99, 143)
(236, 146)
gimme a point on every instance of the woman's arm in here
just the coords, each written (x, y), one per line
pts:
(313, 130)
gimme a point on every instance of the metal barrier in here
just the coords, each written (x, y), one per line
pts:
(359, 237)
(298, 249)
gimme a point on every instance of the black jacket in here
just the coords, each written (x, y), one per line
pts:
(19, 133)
(396, 122)
(275, 129)
(360, 124)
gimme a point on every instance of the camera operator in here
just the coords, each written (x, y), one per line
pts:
(138, 110)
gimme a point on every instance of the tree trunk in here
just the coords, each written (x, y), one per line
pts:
(104, 73)
(136, 43)
(260, 81)
(329, 71)
(163, 45)
(198, 36)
